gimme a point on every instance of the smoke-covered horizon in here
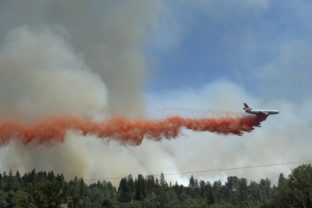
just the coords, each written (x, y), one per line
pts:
(88, 59)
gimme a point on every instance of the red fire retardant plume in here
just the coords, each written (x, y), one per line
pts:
(53, 130)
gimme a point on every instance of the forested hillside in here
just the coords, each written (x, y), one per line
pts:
(46, 189)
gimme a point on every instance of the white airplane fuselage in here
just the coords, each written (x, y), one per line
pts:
(268, 112)
(259, 111)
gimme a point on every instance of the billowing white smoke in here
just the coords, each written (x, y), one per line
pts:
(41, 75)
(107, 36)
(73, 58)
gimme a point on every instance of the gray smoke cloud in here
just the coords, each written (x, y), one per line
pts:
(41, 76)
(108, 35)
(79, 58)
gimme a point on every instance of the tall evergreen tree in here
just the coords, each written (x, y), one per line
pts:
(140, 188)
(124, 191)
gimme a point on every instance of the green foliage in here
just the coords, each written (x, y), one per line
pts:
(50, 194)
(49, 190)
(140, 188)
(296, 191)
(124, 191)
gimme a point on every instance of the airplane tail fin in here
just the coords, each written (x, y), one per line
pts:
(246, 106)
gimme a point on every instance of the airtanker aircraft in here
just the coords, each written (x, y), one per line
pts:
(248, 109)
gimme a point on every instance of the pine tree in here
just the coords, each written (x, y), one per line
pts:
(124, 191)
(140, 188)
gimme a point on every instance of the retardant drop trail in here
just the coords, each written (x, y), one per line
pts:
(53, 130)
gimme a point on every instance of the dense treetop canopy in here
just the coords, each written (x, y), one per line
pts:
(47, 189)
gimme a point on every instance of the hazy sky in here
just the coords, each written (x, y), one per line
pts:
(252, 43)
(141, 58)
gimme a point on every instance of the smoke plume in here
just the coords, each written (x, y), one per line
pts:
(53, 130)
(73, 58)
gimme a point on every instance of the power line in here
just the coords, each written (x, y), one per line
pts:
(239, 168)
(214, 170)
